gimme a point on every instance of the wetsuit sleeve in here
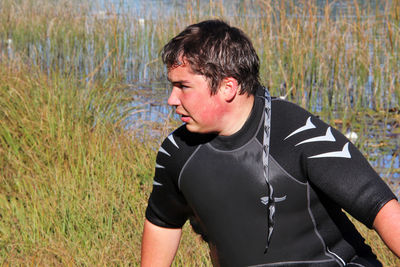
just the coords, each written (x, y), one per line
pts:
(167, 206)
(331, 163)
(342, 172)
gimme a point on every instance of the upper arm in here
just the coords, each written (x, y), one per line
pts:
(324, 157)
(159, 245)
(387, 224)
(167, 206)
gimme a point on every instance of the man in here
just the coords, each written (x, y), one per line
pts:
(263, 181)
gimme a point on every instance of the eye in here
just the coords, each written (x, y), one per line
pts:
(180, 86)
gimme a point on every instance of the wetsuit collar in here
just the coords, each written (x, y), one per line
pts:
(248, 130)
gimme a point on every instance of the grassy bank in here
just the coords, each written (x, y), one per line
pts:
(74, 179)
(74, 182)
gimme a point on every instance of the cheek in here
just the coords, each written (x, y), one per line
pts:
(211, 113)
(208, 116)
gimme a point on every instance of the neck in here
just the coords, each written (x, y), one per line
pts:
(238, 111)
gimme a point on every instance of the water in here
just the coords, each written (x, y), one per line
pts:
(151, 7)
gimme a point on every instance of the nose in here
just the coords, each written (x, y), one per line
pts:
(173, 99)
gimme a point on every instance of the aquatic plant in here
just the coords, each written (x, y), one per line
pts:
(75, 176)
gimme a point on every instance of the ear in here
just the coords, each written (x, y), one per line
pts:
(229, 88)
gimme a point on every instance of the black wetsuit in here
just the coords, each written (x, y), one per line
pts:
(217, 182)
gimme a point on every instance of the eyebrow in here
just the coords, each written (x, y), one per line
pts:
(179, 81)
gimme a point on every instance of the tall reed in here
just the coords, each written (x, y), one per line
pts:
(324, 59)
(74, 175)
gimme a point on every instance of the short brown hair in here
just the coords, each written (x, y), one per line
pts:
(216, 50)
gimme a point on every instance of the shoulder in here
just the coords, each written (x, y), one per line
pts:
(181, 140)
(292, 124)
(287, 115)
(297, 136)
(177, 147)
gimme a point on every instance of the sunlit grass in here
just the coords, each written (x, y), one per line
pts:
(72, 180)
(75, 178)
(387, 258)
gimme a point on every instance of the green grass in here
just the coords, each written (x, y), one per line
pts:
(74, 178)
(74, 182)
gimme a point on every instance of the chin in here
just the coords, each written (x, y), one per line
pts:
(194, 129)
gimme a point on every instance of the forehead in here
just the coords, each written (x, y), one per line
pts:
(183, 72)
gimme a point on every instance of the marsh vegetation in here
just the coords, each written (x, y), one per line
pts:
(82, 110)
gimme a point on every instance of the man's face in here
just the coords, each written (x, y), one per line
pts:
(192, 98)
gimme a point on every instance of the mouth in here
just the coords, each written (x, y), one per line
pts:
(184, 118)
